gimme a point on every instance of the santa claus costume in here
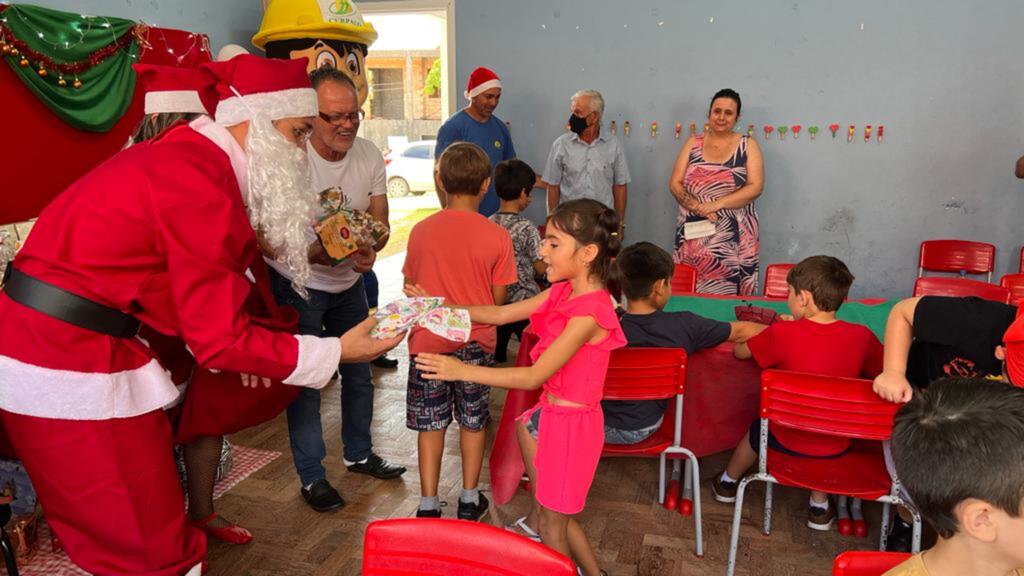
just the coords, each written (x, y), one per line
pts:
(158, 234)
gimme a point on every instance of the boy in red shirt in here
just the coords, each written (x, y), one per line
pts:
(467, 259)
(814, 342)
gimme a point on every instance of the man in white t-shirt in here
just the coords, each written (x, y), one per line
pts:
(337, 300)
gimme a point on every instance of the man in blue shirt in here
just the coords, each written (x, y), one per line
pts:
(477, 123)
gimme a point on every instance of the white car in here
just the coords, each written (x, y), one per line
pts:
(410, 169)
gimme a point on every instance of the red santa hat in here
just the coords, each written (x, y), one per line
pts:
(481, 80)
(249, 85)
(175, 90)
(1013, 340)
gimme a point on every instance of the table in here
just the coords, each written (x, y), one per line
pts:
(722, 393)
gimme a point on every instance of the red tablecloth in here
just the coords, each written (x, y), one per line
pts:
(720, 403)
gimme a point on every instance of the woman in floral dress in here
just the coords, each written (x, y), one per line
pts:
(717, 176)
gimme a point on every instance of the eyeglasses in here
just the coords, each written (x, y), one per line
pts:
(341, 119)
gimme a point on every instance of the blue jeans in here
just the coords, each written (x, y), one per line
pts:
(327, 314)
(372, 288)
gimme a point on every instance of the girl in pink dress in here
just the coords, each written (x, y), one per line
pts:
(562, 436)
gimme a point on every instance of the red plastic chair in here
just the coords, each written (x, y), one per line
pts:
(447, 547)
(959, 256)
(655, 374)
(1015, 284)
(959, 287)
(684, 280)
(866, 563)
(843, 407)
(775, 285)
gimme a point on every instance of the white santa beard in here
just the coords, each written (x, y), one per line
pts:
(278, 199)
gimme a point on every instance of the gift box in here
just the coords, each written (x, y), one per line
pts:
(343, 231)
(23, 532)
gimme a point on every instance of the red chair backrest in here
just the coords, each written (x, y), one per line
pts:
(1015, 284)
(645, 374)
(684, 279)
(866, 563)
(775, 285)
(446, 547)
(825, 405)
(962, 256)
(959, 287)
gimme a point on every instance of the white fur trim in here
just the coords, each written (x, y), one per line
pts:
(480, 89)
(49, 393)
(318, 361)
(174, 101)
(292, 103)
(220, 136)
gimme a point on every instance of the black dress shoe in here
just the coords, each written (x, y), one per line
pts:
(383, 361)
(900, 537)
(322, 497)
(378, 468)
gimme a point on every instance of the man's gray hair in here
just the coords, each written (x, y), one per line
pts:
(595, 98)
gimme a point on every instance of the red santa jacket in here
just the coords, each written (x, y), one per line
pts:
(159, 231)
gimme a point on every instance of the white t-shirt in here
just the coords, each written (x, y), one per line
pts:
(360, 175)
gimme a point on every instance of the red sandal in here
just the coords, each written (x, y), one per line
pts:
(232, 534)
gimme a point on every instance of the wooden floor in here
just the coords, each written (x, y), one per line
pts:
(631, 532)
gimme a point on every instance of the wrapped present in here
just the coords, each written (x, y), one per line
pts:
(343, 231)
(430, 313)
(24, 533)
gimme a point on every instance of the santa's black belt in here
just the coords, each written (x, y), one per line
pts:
(71, 308)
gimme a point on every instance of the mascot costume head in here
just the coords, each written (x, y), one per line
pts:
(327, 32)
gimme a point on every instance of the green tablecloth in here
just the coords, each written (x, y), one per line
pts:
(871, 315)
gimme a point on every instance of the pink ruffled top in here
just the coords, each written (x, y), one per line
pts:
(581, 379)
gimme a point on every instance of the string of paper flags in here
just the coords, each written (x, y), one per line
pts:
(769, 130)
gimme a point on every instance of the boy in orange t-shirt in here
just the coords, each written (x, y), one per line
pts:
(467, 259)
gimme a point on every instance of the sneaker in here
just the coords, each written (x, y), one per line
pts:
(378, 468)
(383, 361)
(469, 511)
(428, 513)
(723, 491)
(821, 518)
(322, 497)
(900, 536)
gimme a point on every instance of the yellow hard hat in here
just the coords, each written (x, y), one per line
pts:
(327, 19)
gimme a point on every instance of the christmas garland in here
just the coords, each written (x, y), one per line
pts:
(95, 52)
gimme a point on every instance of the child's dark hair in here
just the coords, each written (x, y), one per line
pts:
(731, 95)
(511, 177)
(825, 277)
(639, 266)
(591, 222)
(961, 438)
(463, 168)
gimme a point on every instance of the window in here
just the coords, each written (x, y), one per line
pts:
(388, 93)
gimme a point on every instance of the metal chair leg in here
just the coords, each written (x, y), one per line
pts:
(698, 527)
(737, 513)
(767, 528)
(915, 543)
(883, 538)
(661, 478)
(8, 551)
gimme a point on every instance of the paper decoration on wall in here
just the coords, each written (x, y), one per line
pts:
(849, 133)
(679, 129)
(654, 129)
(813, 131)
(834, 128)
(796, 130)
(768, 131)
(626, 128)
(693, 129)
(867, 133)
(782, 131)
(880, 130)
(750, 130)
(614, 127)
